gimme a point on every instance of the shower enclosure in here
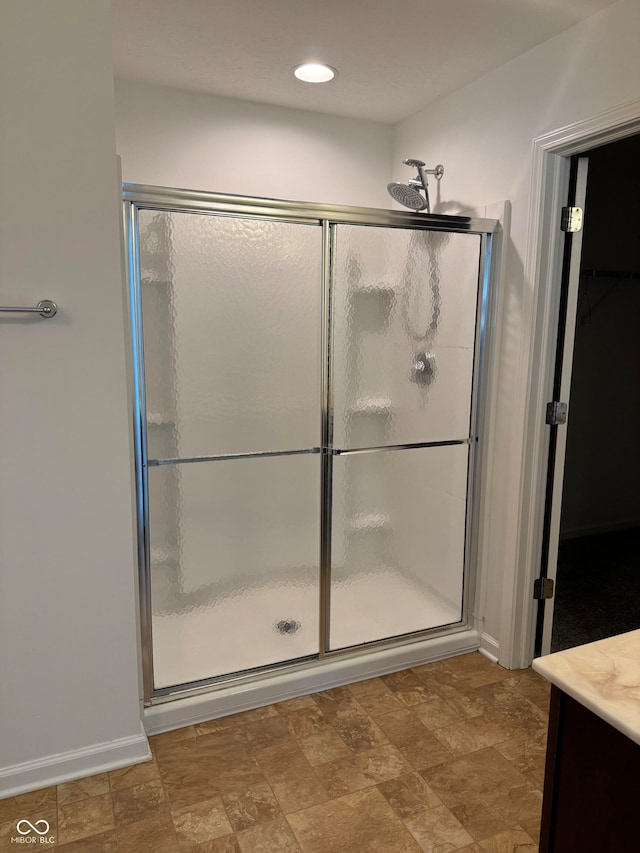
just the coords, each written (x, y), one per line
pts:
(307, 423)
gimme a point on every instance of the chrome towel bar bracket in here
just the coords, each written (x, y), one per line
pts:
(46, 308)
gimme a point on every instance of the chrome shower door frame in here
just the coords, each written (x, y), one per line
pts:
(140, 197)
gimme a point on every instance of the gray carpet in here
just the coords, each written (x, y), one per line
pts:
(597, 588)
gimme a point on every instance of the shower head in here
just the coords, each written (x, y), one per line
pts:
(409, 194)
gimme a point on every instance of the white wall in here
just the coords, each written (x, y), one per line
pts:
(483, 135)
(68, 635)
(173, 138)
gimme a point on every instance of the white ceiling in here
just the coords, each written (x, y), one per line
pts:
(394, 56)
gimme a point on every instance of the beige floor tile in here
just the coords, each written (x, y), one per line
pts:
(407, 687)
(430, 668)
(107, 842)
(298, 703)
(436, 712)
(303, 722)
(10, 837)
(225, 844)
(437, 830)
(432, 825)
(483, 776)
(358, 730)
(7, 831)
(155, 835)
(513, 840)
(139, 802)
(202, 822)
(485, 792)
(256, 804)
(81, 789)
(267, 732)
(337, 699)
(292, 779)
(408, 795)
(28, 805)
(167, 740)
(254, 714)
(326, 745)
(137, 774)
(476, 733)
(533, 686)
(527, 753)
(235, 736)
(531, 827)
(476, 669)
(375, 697)
(276, 835)
(414, 740)
(513, 705)
(341, 765)
(459, 696)
(236, 721)
(482, 823)
(84, 818)
(362, 770)
(357, 822)
(206, 767)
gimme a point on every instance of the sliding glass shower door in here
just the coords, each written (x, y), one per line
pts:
(306, 382)
(231, 318)
(404, 353)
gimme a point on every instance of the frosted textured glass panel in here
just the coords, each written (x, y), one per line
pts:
(398, 537)
(404, 333)
(234, 565)
(231, 321)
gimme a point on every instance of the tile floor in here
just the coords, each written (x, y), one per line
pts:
(440, 758)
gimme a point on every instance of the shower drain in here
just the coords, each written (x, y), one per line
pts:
(288, 626)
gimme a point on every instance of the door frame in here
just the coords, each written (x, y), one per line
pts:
(551, 162)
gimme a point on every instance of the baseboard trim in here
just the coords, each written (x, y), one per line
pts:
(75, 764)
(489, 647)
(323, 675)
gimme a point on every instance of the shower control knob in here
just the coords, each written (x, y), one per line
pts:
(423, 369)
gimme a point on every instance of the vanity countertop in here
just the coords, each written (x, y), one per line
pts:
(603, 676)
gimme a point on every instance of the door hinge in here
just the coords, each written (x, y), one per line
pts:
(556, 413)
(543, 588)
(571, 219)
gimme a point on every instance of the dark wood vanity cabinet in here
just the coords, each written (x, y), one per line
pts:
(592, 783)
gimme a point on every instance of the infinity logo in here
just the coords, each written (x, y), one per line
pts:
(31, 827)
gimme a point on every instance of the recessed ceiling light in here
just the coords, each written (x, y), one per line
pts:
(314, 72)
